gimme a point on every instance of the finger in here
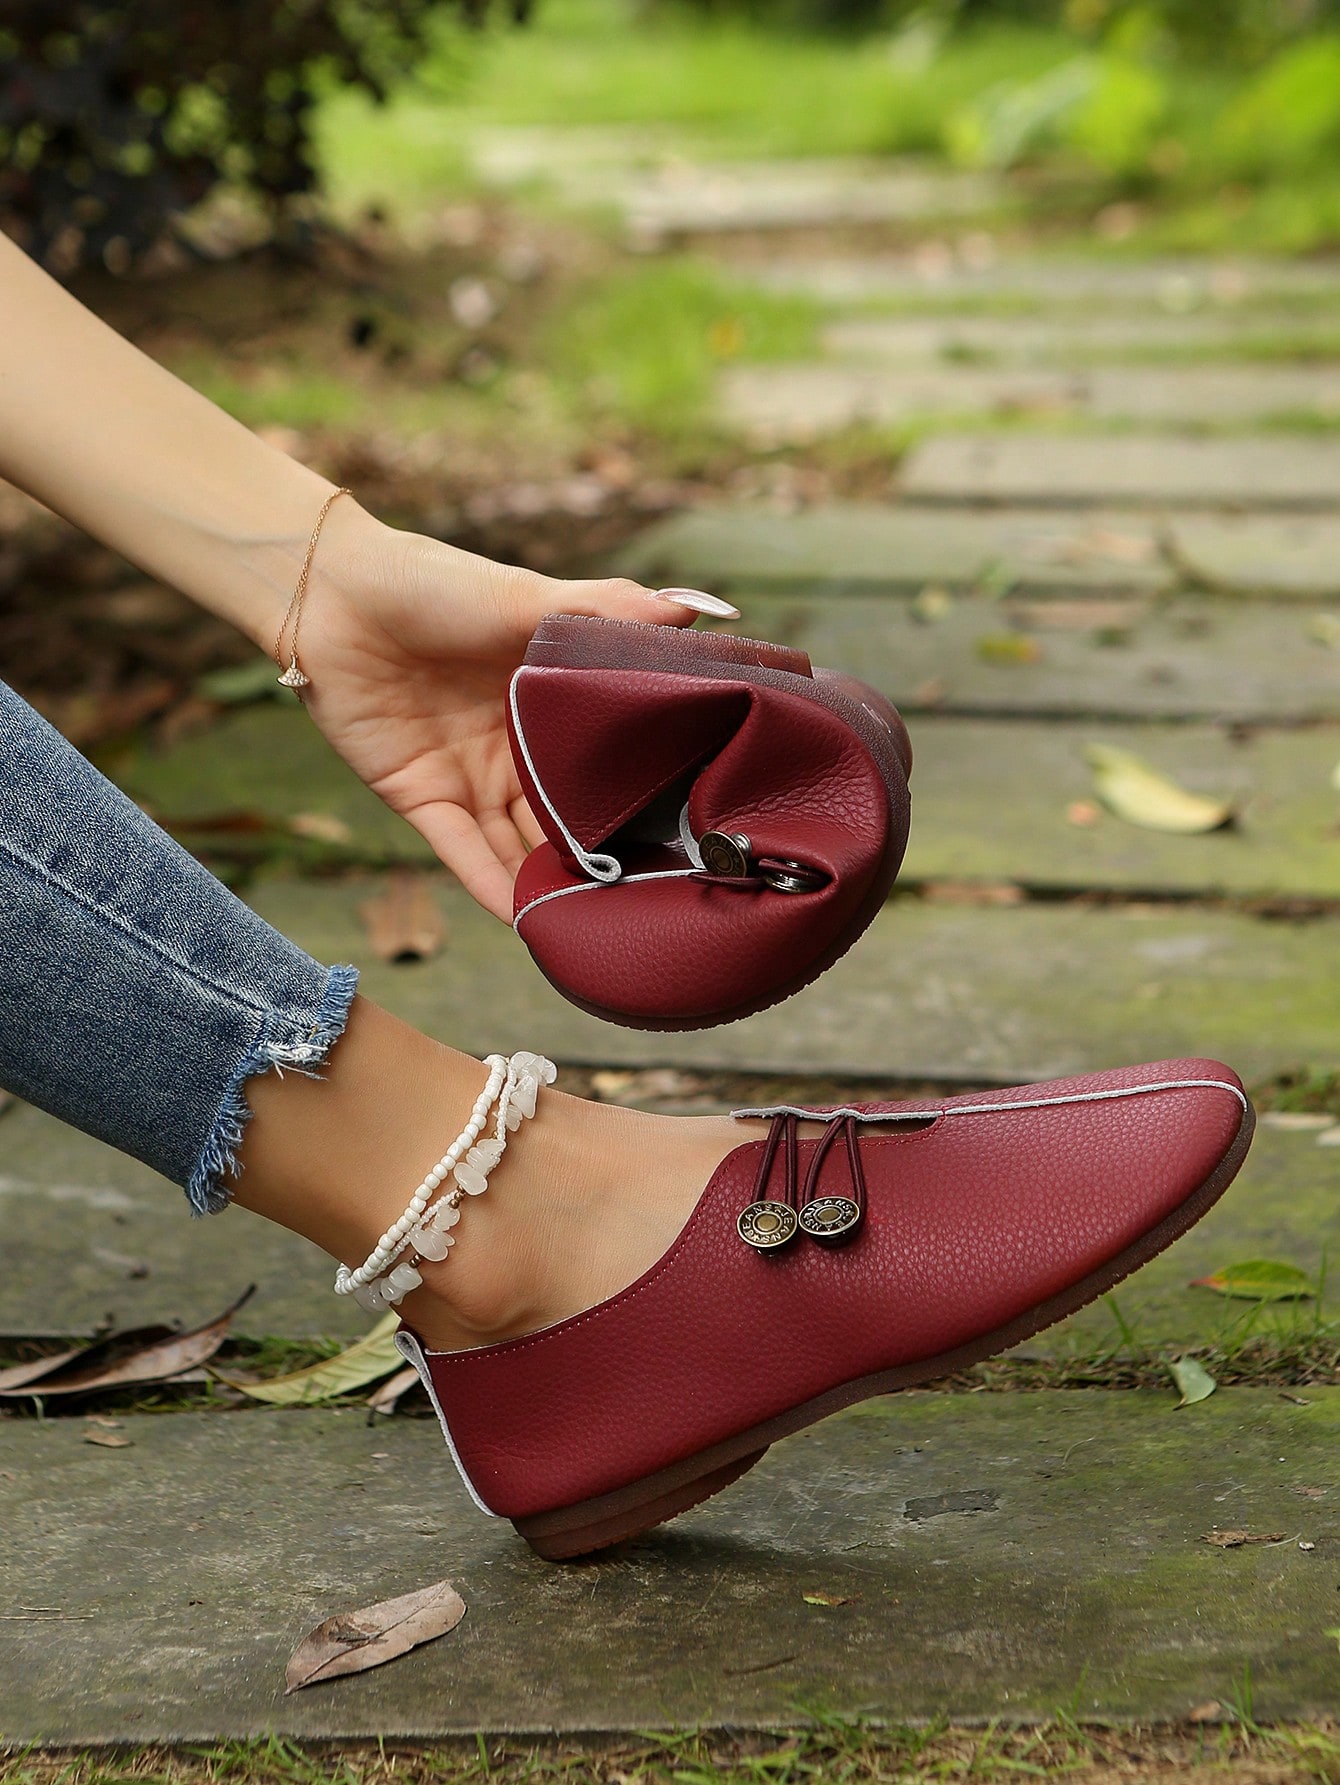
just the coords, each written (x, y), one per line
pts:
(617, 598)
(460, 844)
(504, 839)
(526, 822)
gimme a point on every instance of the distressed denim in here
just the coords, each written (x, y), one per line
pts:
(137, 994)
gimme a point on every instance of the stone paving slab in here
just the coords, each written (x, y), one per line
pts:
(794, 403)
(1189, 658)
(1272, 555)
(867, 545)
(991, 800)
(1078, 339)
(972, 272)
(933, 991)
(103, 1237)
(185, 1567)
(663, 194)
(1250, 471)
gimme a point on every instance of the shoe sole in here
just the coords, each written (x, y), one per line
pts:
(580, 1530)
(576, 641)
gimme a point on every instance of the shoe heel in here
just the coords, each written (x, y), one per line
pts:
(572, 1532)
(584, 641)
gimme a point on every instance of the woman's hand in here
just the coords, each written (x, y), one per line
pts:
(410, 645)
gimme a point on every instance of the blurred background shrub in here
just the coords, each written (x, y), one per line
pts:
(118, 115)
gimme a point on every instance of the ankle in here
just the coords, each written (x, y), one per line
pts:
(586, 1198)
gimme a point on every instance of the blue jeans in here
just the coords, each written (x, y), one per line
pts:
(137, 995)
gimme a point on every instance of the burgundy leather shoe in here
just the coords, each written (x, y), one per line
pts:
(722, 820)
(908, 1241)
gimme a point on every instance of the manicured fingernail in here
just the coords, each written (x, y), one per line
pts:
(699, 602)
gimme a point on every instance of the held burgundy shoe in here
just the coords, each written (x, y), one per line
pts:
(899, 1243)
(722, 820)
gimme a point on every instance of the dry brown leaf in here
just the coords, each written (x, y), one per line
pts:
(1209, 1712)
(320, 827)
(147, 1354)
(1236, 1539)
(815, 1597)
(972, 892)
(18, 1374)
(386, 1398)
(108, 1440)
(404, 922)
(353, 1641)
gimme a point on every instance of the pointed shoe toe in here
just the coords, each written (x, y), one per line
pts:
(877, 1247)
(721, 820)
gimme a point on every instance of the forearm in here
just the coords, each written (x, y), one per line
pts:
(103, 435)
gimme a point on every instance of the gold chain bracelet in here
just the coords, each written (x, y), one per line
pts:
(293, 677)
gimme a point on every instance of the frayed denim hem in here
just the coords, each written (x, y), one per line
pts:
(206, 1190)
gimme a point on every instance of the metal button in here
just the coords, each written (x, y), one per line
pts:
(830, 1219)
(791, 877)
(725, 853)
(767, 1225)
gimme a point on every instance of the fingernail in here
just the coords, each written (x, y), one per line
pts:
(699, 602)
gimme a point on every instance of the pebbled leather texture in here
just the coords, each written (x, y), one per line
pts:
(971, 1221)
(810, 767)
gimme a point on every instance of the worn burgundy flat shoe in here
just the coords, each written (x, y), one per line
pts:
(905, 1242)
(722, 820)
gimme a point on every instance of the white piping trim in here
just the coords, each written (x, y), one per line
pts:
(688, 839)
(995, 1109)
(604, 868)
(408, 1346)
(598, 886)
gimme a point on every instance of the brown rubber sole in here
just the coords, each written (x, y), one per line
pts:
(577, 641)
(570, 1532)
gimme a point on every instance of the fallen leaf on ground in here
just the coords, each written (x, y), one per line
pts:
(1008, 648)
(1259, 1280)
(1205, 1713)
(1311, 1493)
(108, 1440)
(973, 892)
(1193, 1380)
(353, 1641)
(932, 604)
(320, 827)
(830, 1598)
(367, 1360)
(403, 923)
(19, 1374)
(146, 1354)
(1133, 790)
(386, 1398)
(1237, 1539)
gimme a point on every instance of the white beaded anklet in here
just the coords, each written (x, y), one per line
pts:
(514, 1086)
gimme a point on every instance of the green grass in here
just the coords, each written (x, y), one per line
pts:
(731, 86)
(645, 343)
(1186, 140)
(824, 1749)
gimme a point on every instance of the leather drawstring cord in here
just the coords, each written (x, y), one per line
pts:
(770, 1221)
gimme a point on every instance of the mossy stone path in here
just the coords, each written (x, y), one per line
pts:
(1123, 528)
(987, 1555)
